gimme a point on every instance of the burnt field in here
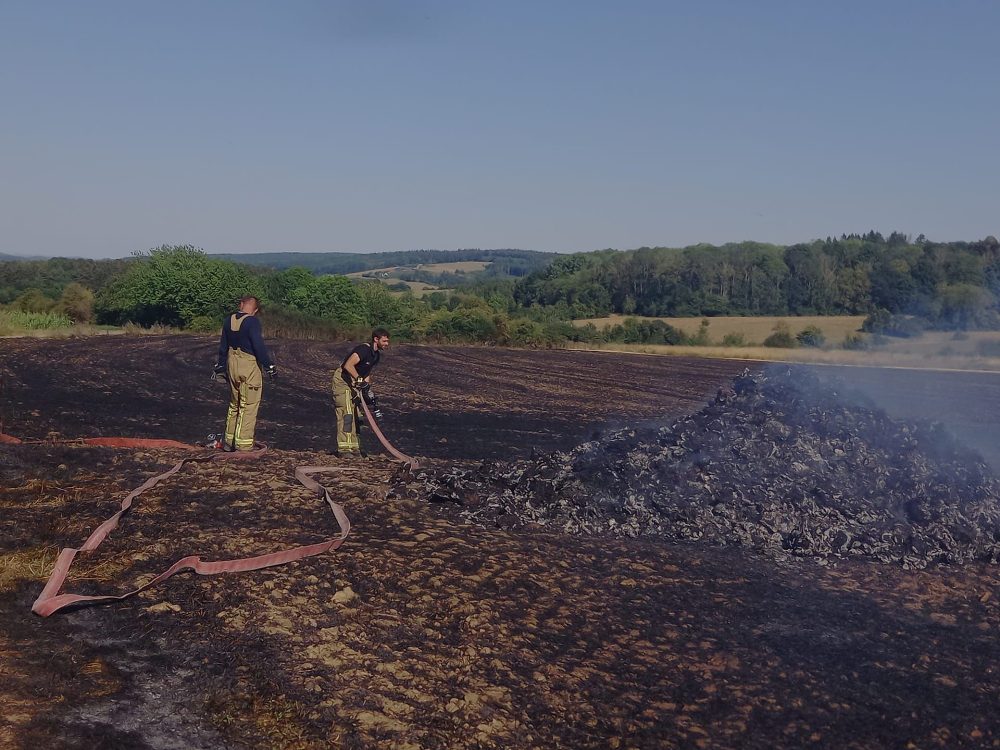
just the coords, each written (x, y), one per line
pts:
(425, 630)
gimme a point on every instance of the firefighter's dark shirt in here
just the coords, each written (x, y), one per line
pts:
(247, 339)
(368, 359)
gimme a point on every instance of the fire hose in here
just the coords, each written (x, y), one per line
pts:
(50, 600)
(412, 462)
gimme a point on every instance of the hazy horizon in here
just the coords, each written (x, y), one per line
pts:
(456, 249)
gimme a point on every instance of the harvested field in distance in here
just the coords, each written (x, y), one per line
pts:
(755, 330)
(465, 266)
(423, 630)
(965, 350)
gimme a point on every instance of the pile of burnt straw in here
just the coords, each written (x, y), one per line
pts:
(779, 462)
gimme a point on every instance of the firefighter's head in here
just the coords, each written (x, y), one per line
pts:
(380, 339)
(249, 304)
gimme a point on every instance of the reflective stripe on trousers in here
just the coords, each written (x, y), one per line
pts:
(246, 384)
(346, 414)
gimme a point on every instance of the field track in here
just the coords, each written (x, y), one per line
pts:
(423, 631)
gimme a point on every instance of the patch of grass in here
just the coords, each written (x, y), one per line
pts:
(31, 565)
(157, 329)
(14, 321)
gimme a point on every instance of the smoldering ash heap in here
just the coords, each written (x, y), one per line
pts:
(779, 462)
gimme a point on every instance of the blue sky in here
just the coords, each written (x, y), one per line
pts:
(565, 126)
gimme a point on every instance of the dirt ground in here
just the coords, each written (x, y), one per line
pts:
(423, 631)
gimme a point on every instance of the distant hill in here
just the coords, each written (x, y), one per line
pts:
(8, 256)
(507, 262)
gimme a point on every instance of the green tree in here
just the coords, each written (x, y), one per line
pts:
(964, 306)
(175, 285)
(284, 285)
(400, 313)
(333, 297)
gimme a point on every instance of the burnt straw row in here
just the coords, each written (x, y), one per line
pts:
(778, 462)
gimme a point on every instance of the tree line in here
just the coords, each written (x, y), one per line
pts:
(508, 262)
(901, 285)
(948, 285)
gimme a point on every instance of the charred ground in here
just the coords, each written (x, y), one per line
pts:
(424, 630)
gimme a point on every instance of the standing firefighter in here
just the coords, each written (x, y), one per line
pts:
(242, 356)
(352, 381)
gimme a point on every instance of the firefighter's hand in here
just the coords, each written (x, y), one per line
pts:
(272, 372)
(217, 371)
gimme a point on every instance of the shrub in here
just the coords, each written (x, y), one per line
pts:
(587, 333)
(523, 332)
(811, 335)
(734, 339)
(855, 342)
(287, 323)
(634, 331)
(701, 337)
(33, 301)
(876, 321)
(781, 338)
(204, 324)
(885, 323)
(464, 325)
(76, 303)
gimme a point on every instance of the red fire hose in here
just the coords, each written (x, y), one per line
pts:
(50, 600)
(412, 462)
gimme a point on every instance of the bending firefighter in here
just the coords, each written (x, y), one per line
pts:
(242, 356)
(352, 381)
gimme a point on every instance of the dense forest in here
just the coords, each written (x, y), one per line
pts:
(50, 277)
(902, 286)
(951, 285)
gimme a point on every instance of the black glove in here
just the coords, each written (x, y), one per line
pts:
(272, 372)
(217, 371)
(372, 402)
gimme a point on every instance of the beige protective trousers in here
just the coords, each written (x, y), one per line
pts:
(246, 383)
(346, 414)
